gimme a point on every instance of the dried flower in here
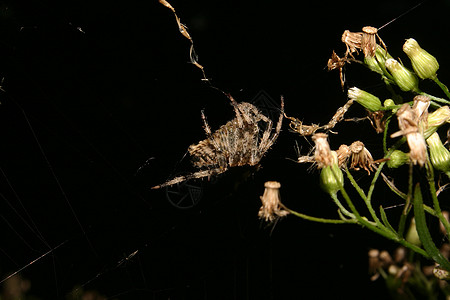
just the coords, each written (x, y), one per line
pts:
(331, 177)
(404, 78)
(361, 157)
(424, 64)
(439, 155)
(407, 122)
(343, 154)
(369, 41)
(398, 158)
(364, 98)
(420, 107)
(353, 42)
(322, 154)
(271, 205)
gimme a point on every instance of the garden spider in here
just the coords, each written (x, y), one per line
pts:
(237, 143)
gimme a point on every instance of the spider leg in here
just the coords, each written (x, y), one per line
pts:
(209, 134)
(199, 174)
(236, 110)
(269, 142)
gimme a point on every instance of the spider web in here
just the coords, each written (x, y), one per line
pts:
(84, 138)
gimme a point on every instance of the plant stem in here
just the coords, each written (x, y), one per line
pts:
(320, 220)
(442, 86)
(424, 233)
(341, 207)
(436, 205)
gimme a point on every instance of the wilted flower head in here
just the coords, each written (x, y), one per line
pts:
(407, 122)
(420, 108)
(361, 157)
(271, 205)
(322, 154)
(424, 64)
(343, 154)
(364, 98)
(404, 78)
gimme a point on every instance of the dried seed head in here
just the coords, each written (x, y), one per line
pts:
(343, 154)
(368, 41)
(407, 122)
(424, 64)
(361, 157)
(364, 98)
(418, 148)
(404, 78)
(352, 40)
(439, 155)
(322, 154)
(420, 107)
(271, 205)
(331, 177)
(398, 158)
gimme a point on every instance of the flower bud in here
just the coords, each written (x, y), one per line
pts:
(404, 78)
(397, 159)
(390, 102)
(331, 177)
(439, 155)
(364, 98)
(439, 116)
(424, 64)
(412, 236)
(377, 63)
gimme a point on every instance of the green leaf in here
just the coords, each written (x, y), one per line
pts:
(424, 233)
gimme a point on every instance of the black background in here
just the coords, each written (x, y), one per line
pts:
(94, 89)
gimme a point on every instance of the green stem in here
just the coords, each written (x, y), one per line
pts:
(434, 98)
(436, 205)
(424, 233)
(442, 86)
(320, 220)
(364, 197)
(341, 207)
(406, 209)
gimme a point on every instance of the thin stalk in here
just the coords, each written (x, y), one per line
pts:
(320, 220)
(436, 205)
(442, 86)
(406, 209)
(341, 207)
(364, 197)
(383, 231)
(434, 98)
(424, 233)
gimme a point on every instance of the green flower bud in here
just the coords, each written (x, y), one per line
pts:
(439, 116)
(439, 155)
(424, 64)
(397, 159)
(404, 78)
(390, 102)
(412, 236)
(376, 63)
(364, 98)
(331, 177)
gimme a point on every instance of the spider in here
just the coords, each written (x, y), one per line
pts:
(237, 143)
